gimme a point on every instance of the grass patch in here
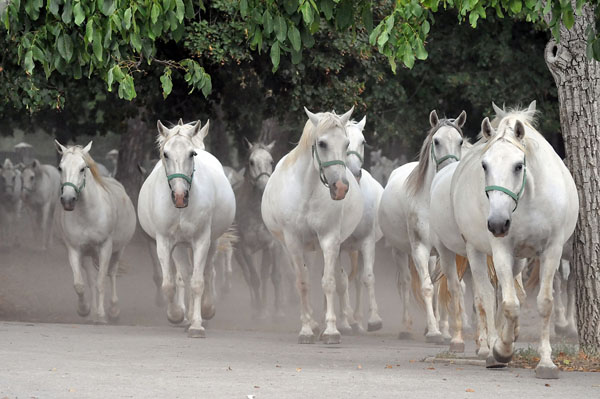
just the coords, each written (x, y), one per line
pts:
(568, 357)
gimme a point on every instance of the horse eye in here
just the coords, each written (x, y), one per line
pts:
(484, 166)
(461, 142)
(193, 154)
(82, 169)
(436, 142)
(518, 167)
(251, 163)
(165, 155)
(59, 169)
(322, 144)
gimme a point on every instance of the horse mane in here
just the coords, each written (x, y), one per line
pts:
(91, 164)
(525, 116)
(416, 178)
(327, 120)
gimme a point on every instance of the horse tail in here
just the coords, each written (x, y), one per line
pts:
(354, 263)
(492, 272)
(521, 294)
(415, 282)
(462, 263)
(227, 240)
(534, 277)
(444, 294)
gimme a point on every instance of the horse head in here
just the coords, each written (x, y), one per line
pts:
(178, 147)
(11, 181)
(447, 138)
(329, 150)
(73, 168)
(260, 163)
(355, 155)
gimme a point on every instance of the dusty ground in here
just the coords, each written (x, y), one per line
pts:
(47, 350)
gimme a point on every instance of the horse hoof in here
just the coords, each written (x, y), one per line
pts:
(374, 326)
(434, 339)
(405, 335)
(100, 321)
(175, 314)
(500, 357)
(346, 330)
(546, 373)
(482, 354)
(306, 339)
(113, 314)
(332, 339)
(447, 340)
(457, 347)
(208, 312)
(316, 330)
(196, 333)
(83, 310)
(492, 363)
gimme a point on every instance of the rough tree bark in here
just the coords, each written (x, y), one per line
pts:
(131, 152)
(578, 82)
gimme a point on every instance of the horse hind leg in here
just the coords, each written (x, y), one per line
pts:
(90, 271)
(265, 273)
(75, 260)
(403, 284)
(276, 278)
(104, 261)
(420, 255)
(181, 259)
(114, 311)
(367, 277)
(347, 323)
(561, 324)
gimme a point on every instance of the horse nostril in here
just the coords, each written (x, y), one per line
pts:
(186, 194)
(344, 181)
(507, 223)
(490, 227)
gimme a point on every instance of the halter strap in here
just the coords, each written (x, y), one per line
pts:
(442, 159)
(511, 194)
(357, 154)
(261, 174)
(181, 176)
(323, 165)
(76, 188)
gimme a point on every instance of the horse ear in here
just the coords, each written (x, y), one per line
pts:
(59, 147)
(7, 164)
(35, 164)
(203, 132)
(142, 170)
(247, 143)
(346, 117)
(242, 171)
(499, 112)
(433, 118)
(462, 118)
(519, 130)
(88, 147)
(362, 123)
(532, 106)
(162, 130)
(486, 129)
(270, 146)
(180, 122)
(313, 118)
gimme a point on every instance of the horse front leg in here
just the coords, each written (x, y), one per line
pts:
(164, 248)
(272, 257)
(420, 256)
(331, 253)
(367, 251)
(484, 302)
(104, 257)
(510, 306)
(200, 256)
(181, 259)
(75, 260)
(572, 330)
(403, 285)
(114, 311)
(348, 323)
(561, 324)
(46, 224)
(356, 269)
(159, 298)
(454, 311)
(549, 262)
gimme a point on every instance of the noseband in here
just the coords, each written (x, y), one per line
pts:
(516, 197)
(357, 154)
(76, 188)
(323, 165)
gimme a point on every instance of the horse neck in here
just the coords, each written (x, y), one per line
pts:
(305, 169)
(90, 196)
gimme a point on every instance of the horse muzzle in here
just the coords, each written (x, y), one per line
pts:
(339, 189)
(499, 227)
(180, 199)
(68, 203)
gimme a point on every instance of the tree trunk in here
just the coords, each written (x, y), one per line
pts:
(578, 82)
(131, 153)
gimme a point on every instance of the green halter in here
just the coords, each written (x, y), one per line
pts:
(357, 154)
(76, 188)
(181, 176)
(323, 165)
(515, 197)
(442, 159)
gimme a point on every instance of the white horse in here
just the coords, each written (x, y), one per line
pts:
(254, 236)
(186, 202)
(97, 222)
(297, 208)
(367, 233)
(382, 167)
(514, 198)
(11, 186)
(41, 184)
(404, 213)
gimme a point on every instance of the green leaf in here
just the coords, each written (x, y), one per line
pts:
(515, 6)
(79, 15)
(136, 42)
(307, 13)
(327, 8)
(367, 17)
(89, 30)
(167, 84)
(53, 7)
(118, 74)
(65, 46)
(207, 87)
(343, 17)
(294, 36)
(127, 19)
(109, 7)
(473, 17)
(38, 54)
(268, 22)
(296, 57)
(425, 27)
(409, 58)
(67, 13)
(28, 62)
(275, 55)
(421, 52)
(189, 9)
(568, 18)
(155, 13)
(109, 79)
(382, 39)
(244, 8)
(97, 44)
(280, 28)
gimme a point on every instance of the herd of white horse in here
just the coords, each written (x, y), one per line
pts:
(499, 202)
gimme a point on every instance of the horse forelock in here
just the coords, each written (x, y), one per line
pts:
(176, 131)
(327, 121)
(505, 131)
(89, 161)
(416, 179)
